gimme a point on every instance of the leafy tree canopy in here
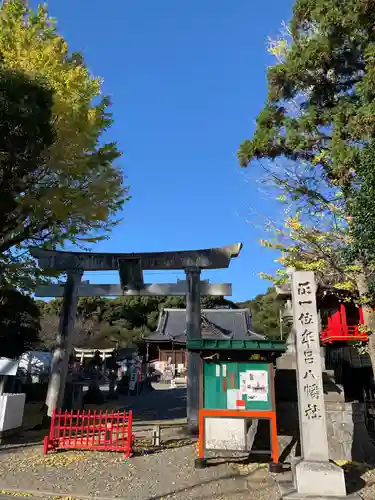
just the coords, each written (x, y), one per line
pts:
(124, 320)
(315, 133)
(327, 74)
(66, 187)
(19, 323)
(25, 133)
(314, 138)
(121, 321)
(362, 205)
(265, 313)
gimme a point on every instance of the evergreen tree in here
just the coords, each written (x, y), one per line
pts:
(319, 123)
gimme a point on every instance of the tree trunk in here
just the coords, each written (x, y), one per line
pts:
(368, 312)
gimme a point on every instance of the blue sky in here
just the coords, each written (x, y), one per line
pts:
(187, 79)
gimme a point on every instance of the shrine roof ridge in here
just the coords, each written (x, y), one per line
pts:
(209, 258)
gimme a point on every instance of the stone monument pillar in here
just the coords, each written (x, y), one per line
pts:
(60, 360)
(314, 476)
(193, 332)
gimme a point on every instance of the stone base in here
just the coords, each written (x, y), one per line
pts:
(320, 479)
(288, 491)
(298, 496)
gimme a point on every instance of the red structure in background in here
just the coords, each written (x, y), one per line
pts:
(105, 431)
(340, 328)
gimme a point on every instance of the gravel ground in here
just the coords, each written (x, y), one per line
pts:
(167, 474)
(360, 479)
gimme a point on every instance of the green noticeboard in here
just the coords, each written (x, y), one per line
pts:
(237, 385)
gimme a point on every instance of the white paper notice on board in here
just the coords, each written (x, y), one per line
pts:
(224, 370)
(218, 370)
(256, 385)
(243, 382)
(233, 395)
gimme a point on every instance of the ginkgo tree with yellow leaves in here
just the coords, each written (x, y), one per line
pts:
(314, 139)
(76, 189)
(308, 248)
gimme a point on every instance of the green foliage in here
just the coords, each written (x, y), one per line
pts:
(327, 74)
(52, 307)
(66, 186)
(19, 323)
(362, 205)
(87, 307)
(116, 322)
(314, 139)
(308, 248)
(122, 321)
(265, 313)
(25, 133)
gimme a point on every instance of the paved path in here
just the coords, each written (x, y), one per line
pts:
(162, 403)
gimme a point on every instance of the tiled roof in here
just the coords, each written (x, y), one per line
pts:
(227, 324)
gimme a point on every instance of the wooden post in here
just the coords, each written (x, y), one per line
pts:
(344, 322)
(156, 435)
(60, 360)
(174, 360)
(193, 331)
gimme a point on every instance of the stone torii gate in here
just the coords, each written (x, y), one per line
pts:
(131, 267)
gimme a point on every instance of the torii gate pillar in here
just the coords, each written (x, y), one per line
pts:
(60, 359)
(193, 332)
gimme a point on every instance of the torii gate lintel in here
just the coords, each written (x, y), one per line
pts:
(209, 258)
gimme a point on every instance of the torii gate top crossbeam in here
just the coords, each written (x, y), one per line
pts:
(210, 258)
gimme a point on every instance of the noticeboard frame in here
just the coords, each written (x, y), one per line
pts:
(269, 415)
